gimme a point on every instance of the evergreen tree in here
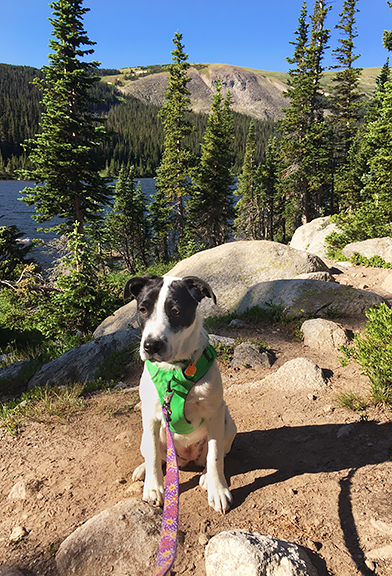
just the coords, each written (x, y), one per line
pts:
(345, 95)
(211, 205)
(371, 215)
(173, 175)
(65, 167)
(127, 228)
(304, 145)
(248, 223)
(269, 177)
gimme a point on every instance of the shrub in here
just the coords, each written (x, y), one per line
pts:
(373, 352)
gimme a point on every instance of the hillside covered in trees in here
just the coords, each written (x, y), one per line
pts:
(135, 131)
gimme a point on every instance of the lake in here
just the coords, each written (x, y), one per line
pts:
(18, 213)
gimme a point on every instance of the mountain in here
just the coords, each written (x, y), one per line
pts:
(256, 93)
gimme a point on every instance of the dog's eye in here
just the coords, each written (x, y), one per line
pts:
(143, 310)
(175, 312)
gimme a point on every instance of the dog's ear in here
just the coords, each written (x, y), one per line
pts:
(136, 284)
(198, 288)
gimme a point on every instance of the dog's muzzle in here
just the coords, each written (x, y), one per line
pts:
(154, 347)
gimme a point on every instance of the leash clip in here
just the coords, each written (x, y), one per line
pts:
(166, 401)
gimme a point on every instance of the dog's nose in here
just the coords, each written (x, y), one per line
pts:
(152, 345)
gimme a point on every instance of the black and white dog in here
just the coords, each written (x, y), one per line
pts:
(173, 338)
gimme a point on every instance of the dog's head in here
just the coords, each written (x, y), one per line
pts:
(167, 313)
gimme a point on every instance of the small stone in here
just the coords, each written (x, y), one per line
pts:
(203, 539)
(370, 565)
(18, 533)
(237, 323)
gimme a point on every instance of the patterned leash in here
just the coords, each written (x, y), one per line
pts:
(168, 544)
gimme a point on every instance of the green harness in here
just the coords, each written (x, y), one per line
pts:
(173, 387)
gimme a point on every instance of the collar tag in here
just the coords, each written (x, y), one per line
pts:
(190, 370)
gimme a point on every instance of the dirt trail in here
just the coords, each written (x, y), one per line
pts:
(301, 468)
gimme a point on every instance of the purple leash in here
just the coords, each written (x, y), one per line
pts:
(168, 544)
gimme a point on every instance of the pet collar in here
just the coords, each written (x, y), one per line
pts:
(173, 387)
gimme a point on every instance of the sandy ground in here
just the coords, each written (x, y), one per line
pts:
(301, 468)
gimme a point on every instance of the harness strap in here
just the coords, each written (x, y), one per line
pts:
(177, 384)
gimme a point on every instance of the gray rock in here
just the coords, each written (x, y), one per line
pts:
(215, 340)
(310, 297)
(121, 540)
(250, 355)
(374, 247)
(16, 371)
(81, 363)
(380, 554)
(24, 489)
(233, 270)
(324, 276)
(319, 333)
(295, 375)
(9, 571)
(240, 553)
(311, 236)
(259, 273)
(18, 533)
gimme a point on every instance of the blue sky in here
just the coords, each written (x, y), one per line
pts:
(250, 33)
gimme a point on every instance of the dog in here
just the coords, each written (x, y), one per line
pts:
(173, 338)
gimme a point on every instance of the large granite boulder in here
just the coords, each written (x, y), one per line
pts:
(368, 248)
(241, 553)
(120, 540)
(259, 273)
(81, 363)
(311, 236)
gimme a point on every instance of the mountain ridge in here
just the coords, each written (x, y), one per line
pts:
(256, 93)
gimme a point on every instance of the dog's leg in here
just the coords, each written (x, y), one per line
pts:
(151, 470)
(219, 496)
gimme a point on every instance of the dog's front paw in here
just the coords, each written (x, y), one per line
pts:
(219, 498)
(139, 473)
(154, 495)
(219, 495)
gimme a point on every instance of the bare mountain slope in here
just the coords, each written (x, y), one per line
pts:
(253, 92)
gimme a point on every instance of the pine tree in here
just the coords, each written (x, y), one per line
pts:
(269, 177)
(211, 205)
(127, 227)
(304, 145)
(65, 166)
(370, 213)
(173, 175)
(248, 223)
(346, 99)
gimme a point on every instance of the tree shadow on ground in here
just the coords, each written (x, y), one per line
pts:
(292, 451)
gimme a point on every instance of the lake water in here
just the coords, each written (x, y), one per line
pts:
(16, 212)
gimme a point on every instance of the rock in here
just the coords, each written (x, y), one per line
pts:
(233, 270)
(319, 333)
(259, 273)
(311, 236)
(297, 374)
(240, 553)
(18, 371)
(368, 248)
(24, 489)
(248, 355)
(383, 527)
(18, 533)
(121, 540)
(383, 553)
(215, 340)
(324, 276)
(81, 363)
(9, 571)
